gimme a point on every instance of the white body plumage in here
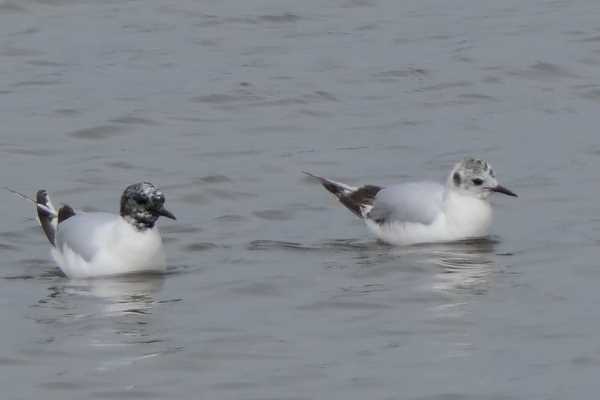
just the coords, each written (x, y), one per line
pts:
(458, 218)
(102, 244)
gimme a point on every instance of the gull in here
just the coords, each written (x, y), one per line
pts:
(96, 244)
(425, 212)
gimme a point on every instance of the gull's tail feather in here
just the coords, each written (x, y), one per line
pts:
(359, 200)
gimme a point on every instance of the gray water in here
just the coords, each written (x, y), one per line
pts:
(274, 291)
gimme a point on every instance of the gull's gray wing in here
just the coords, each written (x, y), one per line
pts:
(418, 202)
(79, 230)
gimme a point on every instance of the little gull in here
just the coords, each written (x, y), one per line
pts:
(425, 212)
(94, 244)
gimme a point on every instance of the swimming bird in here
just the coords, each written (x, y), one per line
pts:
(425, 212)
(94, 244)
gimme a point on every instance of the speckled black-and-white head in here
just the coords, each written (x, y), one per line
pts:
(142, 204)
(476, 178)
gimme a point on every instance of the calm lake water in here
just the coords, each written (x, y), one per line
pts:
(274, 291)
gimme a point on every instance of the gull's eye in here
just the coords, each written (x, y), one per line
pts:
(477, 182)
(456, 178)
(140, 199)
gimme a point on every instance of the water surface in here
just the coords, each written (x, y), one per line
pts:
(274, 291)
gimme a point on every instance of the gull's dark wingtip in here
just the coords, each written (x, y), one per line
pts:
(65, 212)
(355, 199)
(45, 211)
(46, 218)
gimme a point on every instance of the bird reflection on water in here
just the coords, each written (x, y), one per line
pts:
(132, 293)
(82, 305)
(459, 267)
(463, 266)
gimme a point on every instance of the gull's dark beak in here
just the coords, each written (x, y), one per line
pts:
(502, 189)
(163, 212)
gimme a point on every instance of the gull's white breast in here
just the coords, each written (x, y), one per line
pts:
(102, 244)
(467, 216)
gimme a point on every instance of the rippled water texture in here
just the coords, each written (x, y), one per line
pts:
(274, 291)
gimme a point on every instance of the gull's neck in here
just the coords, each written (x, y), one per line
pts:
(459, 199)
(140, 224)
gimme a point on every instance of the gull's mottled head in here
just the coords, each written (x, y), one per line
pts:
(142, 204)
(476, 178)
